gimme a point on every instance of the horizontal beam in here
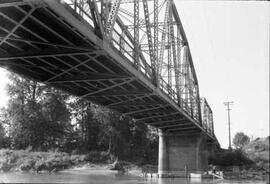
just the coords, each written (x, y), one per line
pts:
(129, 101)
(46, 43)
(174, 125)
(52, 53)
(183, 133)
(18, 3)
(184, 129)
(122, 93)
(167, 121)
(90, 78)
(147, 109)
(160, 116)
(140, 103)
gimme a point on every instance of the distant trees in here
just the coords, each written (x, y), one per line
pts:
(45, 118)
(240, 139)
(101, 129)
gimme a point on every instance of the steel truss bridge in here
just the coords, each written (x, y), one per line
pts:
(129, 55)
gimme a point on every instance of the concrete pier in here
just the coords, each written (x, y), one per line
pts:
(181, 154)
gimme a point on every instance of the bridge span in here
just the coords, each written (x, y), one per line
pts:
(131, 56)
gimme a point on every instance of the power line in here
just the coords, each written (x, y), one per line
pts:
(229, 121)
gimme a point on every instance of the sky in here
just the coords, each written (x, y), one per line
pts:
(229, 43)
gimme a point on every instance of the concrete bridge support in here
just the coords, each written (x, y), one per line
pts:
(181, 154)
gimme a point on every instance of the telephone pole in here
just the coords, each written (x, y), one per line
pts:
(229, 121)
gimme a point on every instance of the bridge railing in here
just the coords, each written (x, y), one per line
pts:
(127, 49)
(207, 117)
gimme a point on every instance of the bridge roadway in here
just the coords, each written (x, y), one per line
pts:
(49, 42)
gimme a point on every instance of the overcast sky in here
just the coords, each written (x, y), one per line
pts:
(230, 48)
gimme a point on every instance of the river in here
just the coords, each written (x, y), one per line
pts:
(104, 178)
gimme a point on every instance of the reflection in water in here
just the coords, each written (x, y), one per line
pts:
(102, 178)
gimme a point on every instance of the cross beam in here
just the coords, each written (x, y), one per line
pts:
(160, 116)
(107, 88)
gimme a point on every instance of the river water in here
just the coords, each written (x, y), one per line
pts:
(104, 178)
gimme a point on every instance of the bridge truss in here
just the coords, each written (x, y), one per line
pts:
(150, 34)
(146, 33)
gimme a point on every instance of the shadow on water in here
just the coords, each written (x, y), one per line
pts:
(104, 178)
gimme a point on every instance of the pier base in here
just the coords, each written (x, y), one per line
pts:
(180, 155)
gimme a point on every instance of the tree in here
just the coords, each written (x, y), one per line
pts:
(36, 113)
(240, 139)
(3, 136)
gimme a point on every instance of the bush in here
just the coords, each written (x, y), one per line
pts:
(230, 158)
(97, 157)
(27, 165)
(258, 151)
(21, 160)
(77, 159)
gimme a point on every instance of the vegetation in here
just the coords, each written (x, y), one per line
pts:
(26, 160)
(248, 154)
(258, 151)
(227, 158)
(240, 139)
(45, 119)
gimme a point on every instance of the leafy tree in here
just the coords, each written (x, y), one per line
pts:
(36, 113)
(57, 117)
(86, 128)
(240, 139)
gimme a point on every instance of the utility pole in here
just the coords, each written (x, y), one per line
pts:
(229, 121)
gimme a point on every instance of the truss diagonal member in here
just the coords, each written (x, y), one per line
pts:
(176, 65)
(163, 37)
(169, 67)
(129, 100)
(47, 27)
(17, 25)
(96, 17)
(131, 39)
(107, 88)
(112, 17)
(66, 71)
(150, 42)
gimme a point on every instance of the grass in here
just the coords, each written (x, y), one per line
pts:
(24, 160)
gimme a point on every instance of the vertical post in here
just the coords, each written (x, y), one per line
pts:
(156, 38)
(162, 154)
(229, 121)
(136, 34)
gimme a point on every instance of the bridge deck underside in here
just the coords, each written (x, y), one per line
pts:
(39, 44)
